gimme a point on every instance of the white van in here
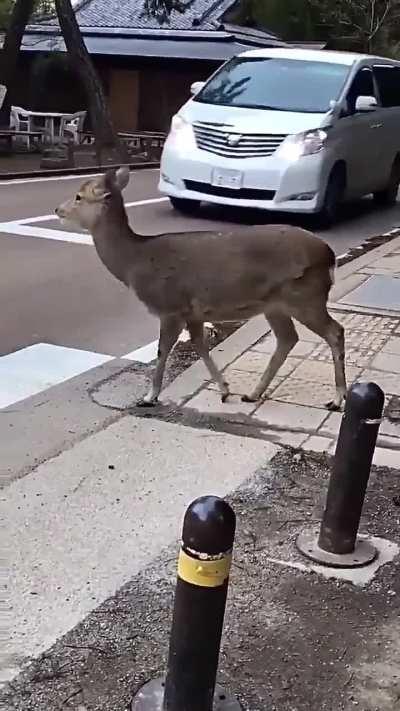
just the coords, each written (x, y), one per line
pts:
(287, 129)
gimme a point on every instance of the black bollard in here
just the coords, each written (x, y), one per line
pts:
(336, 544)
(200, 599)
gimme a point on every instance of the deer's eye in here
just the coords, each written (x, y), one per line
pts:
(78, 197)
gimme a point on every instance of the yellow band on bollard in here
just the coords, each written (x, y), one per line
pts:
(204, 573)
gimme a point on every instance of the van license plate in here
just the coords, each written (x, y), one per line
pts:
(232, 179)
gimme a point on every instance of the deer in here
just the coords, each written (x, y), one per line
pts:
(189, 278)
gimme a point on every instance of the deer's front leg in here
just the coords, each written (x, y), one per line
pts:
(170, 329)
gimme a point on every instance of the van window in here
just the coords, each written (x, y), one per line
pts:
(388, 80)
(275, 83)
(362, 85)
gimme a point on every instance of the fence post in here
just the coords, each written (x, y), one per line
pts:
(199, 608)
(336, 544)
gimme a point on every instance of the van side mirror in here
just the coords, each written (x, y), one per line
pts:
(365, 104)
(196, 87)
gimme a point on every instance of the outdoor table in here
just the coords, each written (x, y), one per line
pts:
(49, 119)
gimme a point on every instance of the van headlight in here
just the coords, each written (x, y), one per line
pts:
(181, 134)
(302, 144)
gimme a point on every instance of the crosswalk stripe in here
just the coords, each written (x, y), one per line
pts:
(31, 370)
(145, 354)
(27, 226)
(25, 230)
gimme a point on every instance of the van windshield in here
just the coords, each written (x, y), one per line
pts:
(275, 83)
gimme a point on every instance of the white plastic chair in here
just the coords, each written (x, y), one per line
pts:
(3, 92)
(20, 120)
(23, 121)
(73, 125)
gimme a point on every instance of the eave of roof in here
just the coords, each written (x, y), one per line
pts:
(214, 46)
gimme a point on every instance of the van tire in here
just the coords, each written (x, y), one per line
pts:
(185, 207)
(333, 199)
(388, 196)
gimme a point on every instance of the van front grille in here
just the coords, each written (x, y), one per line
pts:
(233, 144)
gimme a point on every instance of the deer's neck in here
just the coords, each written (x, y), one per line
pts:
(115, 242)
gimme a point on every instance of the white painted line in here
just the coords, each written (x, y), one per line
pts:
(184, 336)
(25, 226)
(47, 218)
(15, 228)
(33, 369)
(48, 179)
(150, 201)
(52, 178)
(145, 354)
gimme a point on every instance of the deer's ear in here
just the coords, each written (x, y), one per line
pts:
(98, 185)
(122, 177)
(116, 179)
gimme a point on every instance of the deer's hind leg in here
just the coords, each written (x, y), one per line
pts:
(196, 330)
(322, 323)
(286, 339)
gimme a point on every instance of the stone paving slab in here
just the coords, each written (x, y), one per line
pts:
(378, 291)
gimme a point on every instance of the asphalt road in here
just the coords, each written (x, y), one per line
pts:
(57, 292)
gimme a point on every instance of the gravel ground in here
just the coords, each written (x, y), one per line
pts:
(292, 642)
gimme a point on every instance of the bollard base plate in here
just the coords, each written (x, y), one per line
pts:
(363, 554)
(150, 698)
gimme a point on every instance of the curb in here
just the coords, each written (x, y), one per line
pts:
(25, 175)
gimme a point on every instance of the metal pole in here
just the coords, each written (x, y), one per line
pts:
(337, 544)
(200, 599)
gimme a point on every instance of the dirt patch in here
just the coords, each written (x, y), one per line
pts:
(293, 641)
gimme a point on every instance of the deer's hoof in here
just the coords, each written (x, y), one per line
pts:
(333, 406)
(224, 396)
(249, 398)
(146, 403)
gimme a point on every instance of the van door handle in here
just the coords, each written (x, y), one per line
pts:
(376, 125)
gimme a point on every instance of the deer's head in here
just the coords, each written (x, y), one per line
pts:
(94, 197)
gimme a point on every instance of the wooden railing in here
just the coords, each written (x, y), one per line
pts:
(148, 144)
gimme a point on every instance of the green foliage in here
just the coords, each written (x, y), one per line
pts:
(161, 9)
(43, 7)
(365, 25)
(5, 10)
(291, 19)
(362, 25)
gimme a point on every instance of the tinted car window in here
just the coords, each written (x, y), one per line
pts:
(275, 83)
(362, 85)
(388, 80)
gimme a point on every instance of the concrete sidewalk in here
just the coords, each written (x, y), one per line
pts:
(366, 300)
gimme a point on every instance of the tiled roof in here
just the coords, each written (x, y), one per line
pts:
(199, 14)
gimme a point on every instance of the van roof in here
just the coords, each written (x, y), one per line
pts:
(309, 55)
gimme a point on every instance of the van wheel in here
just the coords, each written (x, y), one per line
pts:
(388, 196)
(186, 207)
(333, 199)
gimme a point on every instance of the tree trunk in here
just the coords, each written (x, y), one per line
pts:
(19, 19)
(107, 143)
